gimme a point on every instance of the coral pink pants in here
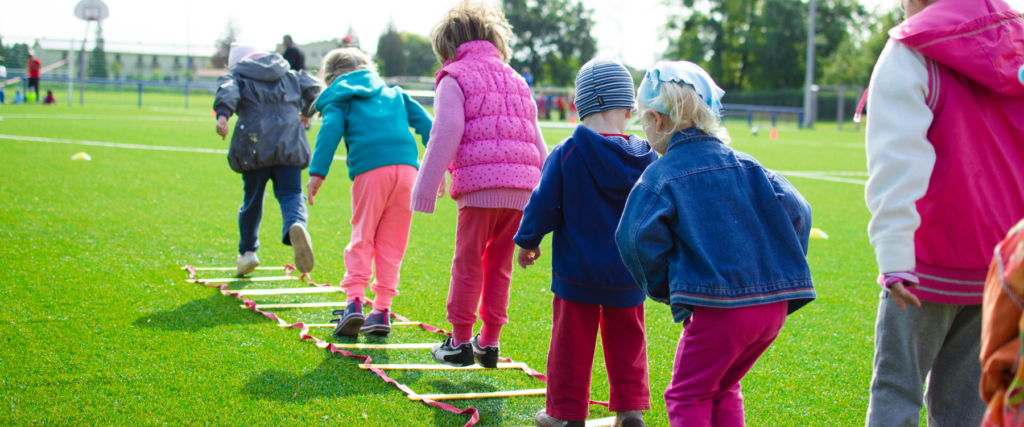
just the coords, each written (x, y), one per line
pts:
(571, 358)
(717, 348)
(381, 219)
(482, 270)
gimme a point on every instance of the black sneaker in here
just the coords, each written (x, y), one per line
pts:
(485, 356)
(448, 354)
(351, 320)
(377, 323)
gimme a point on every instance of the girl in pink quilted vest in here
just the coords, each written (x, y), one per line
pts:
(945, 145)
(486, 135)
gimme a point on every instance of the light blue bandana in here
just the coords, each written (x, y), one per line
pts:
(679, 71)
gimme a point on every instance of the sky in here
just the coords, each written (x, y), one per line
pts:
(625, 31)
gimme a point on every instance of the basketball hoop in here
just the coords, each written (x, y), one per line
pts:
(91, 10)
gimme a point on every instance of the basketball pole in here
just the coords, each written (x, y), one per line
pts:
(809, 81)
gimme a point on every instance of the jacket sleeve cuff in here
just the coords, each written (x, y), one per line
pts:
(523, 243)
(425, 205)
(895, 255)
(224, 111)
(318, 175)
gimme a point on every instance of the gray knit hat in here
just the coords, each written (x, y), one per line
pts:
(601, 85)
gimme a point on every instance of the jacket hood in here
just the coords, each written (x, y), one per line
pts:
(362, 84)
(981, 39)
(265, 68)
(608, 162)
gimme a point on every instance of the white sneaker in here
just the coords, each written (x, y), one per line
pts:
(302, 245)
(247, 263)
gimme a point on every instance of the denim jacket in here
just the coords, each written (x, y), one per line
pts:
(709, 226)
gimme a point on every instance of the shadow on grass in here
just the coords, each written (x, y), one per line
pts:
(490, 409)
(200, 314)
(336, 376)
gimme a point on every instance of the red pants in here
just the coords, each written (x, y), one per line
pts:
(482, 268)
(718, 347)
(571, 358)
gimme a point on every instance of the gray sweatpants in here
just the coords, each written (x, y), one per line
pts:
(937, 345)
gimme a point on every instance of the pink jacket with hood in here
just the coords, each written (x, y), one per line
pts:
(974, 53)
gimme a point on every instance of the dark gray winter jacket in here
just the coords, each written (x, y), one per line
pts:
(267, 97)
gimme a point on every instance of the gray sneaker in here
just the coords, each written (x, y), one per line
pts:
(629, 419)
(247, 263)
(351, 320)
(542, 419)
(302, 245)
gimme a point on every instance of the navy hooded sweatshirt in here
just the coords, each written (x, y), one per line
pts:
(582, 193)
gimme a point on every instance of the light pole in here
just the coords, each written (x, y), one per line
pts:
(809, 81)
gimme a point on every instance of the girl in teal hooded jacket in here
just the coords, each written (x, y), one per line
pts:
(382, 161)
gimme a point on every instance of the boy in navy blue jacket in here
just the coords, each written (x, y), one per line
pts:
(583, 189)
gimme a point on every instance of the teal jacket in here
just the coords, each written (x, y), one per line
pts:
(374, 121)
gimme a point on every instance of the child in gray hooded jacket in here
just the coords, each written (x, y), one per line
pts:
(269, 142)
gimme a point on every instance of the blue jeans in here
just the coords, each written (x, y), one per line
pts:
(287, 190)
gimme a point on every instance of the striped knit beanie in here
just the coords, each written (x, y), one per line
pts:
(602, 85)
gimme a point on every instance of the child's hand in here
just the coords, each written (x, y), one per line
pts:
(902, 296)
(440, 190)
(312, 187)
(222, 127)
(305, 122)
(528, 257)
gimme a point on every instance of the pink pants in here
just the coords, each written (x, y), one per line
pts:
(482, 270)
(571, 358)
(381, 219)
(717, 348)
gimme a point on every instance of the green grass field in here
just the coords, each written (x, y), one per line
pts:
(100, 327)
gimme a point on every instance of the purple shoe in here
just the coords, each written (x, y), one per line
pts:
(351, 320)
(377, 323)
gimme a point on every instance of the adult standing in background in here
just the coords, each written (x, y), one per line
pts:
(528, 77)
(296, 59)
(33, 73)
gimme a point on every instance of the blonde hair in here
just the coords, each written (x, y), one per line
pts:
(684, 105)
(345, 60)
(468, 21)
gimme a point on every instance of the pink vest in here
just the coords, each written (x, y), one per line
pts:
(497, 148)
(974, 50)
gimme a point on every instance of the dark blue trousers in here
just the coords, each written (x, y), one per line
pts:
(287, 190)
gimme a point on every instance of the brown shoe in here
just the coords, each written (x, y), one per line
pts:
(542, 419)
(629, 419)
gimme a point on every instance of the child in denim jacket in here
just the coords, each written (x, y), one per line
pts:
(719, 238)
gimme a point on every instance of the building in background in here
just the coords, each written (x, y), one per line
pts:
(131, 61)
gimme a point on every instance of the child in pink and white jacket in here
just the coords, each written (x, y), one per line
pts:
(486, 134)
(945, 145)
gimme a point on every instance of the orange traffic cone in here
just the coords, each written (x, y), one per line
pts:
(774, 134)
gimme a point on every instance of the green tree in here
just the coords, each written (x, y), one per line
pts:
(757, 44)
(552, 37)
(419, 55)
(855, 58)
(390, 52)
(98, 58)
(220, 59)
(17, 56)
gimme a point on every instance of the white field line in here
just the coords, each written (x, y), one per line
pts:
(823, 177)
(121, 145)
(118, 118)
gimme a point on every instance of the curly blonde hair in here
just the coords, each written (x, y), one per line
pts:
(685, 105)
(468, 21)
(345, 60)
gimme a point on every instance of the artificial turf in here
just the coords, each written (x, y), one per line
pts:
(100, 327)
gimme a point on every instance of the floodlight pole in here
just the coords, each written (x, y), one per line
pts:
(809, 81)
